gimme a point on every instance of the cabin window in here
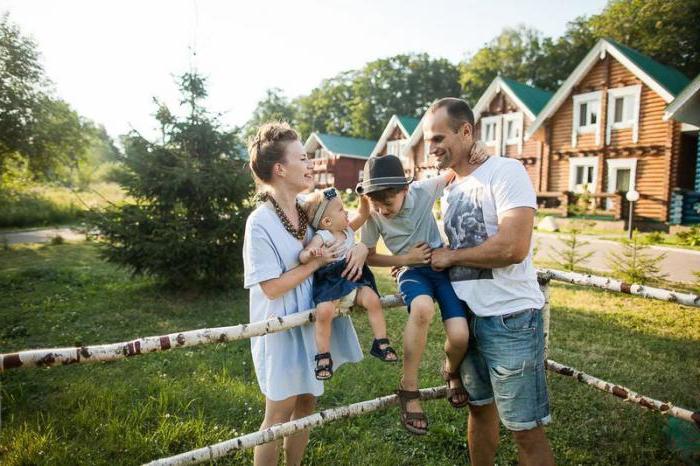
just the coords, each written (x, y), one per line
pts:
(583, 174)
(513, 130)
(623, 110)
(490, 132)
(586, 116)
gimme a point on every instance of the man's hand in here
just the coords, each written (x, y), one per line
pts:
(418, 254)
(441, 258)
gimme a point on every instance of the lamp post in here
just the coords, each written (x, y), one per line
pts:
(632, 196)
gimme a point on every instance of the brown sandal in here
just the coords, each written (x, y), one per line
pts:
(409, 418)
(454, 392)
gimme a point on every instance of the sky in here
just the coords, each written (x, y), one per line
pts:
(110, 58)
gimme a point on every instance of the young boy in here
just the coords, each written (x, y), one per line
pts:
(402, 215)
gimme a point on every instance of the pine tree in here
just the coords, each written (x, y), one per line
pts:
(633, 265)
(191, 191)
(570, 256)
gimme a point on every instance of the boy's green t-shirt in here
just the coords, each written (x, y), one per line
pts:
(413, 224)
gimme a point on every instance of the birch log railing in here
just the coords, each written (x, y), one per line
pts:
(228, 447)
(114, 351)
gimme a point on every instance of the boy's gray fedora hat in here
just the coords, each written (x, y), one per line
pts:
(382, 172)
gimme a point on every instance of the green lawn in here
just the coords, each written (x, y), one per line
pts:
(143, 408)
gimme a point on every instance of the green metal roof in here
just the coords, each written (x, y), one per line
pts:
(345, 145)
(670, 78)
(409, 123)
(535, 98)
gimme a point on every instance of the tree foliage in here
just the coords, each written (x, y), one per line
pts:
(666, 30)
(275, 106)
(190, 191)
(38, 132)
(359, 103)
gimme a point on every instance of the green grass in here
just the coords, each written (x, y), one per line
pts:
(44, 205)
(143, 408)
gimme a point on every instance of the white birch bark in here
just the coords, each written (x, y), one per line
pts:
(218, 450)
(610, 284)
(544, 286)
(625, 393)
(113, 351)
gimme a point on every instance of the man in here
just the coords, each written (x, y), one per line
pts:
(489, 212)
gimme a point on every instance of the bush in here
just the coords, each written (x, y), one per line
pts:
(191, 192)
(690, 237)
(654, 237)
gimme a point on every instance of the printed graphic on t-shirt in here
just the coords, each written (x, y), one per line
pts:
(465, 228)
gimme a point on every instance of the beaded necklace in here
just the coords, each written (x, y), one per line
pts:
(298, 233)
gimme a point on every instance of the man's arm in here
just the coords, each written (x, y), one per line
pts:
(510, 245)
(418, 254)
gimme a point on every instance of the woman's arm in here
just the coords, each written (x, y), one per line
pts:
(290, 279)
(361, 215)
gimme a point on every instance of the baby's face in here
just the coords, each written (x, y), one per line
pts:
(335, 216)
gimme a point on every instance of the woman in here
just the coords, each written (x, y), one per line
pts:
(275, 235)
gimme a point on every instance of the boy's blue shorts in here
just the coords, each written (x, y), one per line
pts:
(423, 280)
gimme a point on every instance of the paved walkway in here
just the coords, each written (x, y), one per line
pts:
(42, 235)
(679, 264)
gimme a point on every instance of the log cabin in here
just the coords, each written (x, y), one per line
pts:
(606, 133)
(394, 139)
(685, 108)
(338, 160)
(502, 115)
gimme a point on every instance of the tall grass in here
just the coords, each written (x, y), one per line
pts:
(44, 205)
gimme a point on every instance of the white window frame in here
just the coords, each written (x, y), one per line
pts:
(574, 163)
(613, 166)
(588, 98)
(496, 143)
(517, 119)
(621, 92)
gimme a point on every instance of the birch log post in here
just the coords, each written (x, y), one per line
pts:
(218, 450)
(625, 393)
(113, 351)
(544, 287)
(610, 284)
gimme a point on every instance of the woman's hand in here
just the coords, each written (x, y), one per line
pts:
(327, 254)
(355, 260)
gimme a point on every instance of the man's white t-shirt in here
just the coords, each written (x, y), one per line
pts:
(471, 208)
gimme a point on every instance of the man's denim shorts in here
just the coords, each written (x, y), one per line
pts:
(423, 280)
(505, 363)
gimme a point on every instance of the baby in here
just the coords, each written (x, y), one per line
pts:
(330, 220)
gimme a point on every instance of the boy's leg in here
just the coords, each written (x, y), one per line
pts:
(457, 331)
(454, 318)
(322, 330)
(414, 339)
(367, 298)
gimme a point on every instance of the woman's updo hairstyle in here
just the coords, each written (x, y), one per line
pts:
(267, 148)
